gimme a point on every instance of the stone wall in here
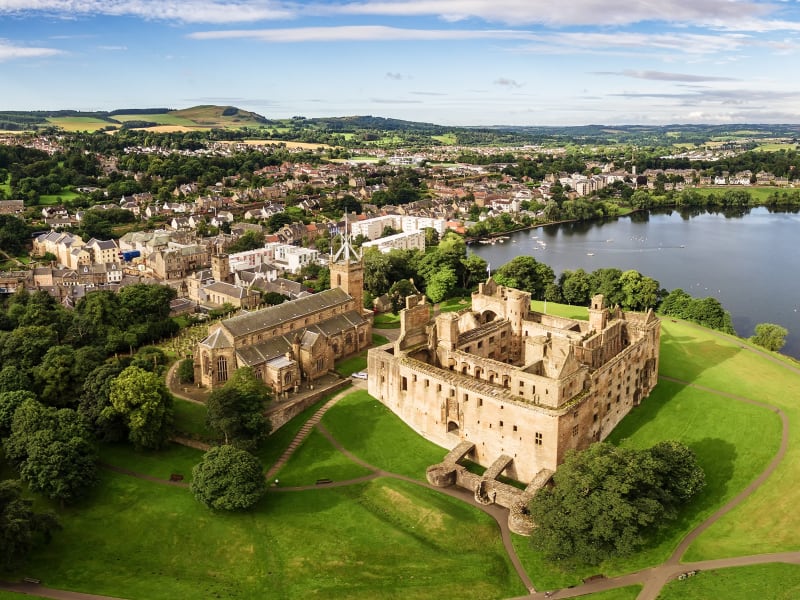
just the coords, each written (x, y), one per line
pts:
(281, 413)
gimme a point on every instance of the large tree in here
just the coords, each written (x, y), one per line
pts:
(228, 478)
(144, 402)
(53, 451)
(526, 273)
(770, 336)
(20, 526)
(236, 409)
(607, 500)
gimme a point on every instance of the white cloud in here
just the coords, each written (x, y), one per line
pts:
(662, 76)
(356, 33)
(10, 51)
(685, 43)
(574, 12)
(186, 11)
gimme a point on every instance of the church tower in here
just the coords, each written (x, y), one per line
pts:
(347, 269)
(221, 268)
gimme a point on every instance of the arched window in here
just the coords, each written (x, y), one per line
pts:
(339, 279)
(287, 379)
(222, 369)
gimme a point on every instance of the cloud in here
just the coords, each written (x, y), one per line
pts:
(356, 33)
(504, 81)
(428, 93)
(395, 76)
(113, 48)
(394, 101)
(623, 41)
(185, 11)
(11, 51)
(574, 12)
(662, 76)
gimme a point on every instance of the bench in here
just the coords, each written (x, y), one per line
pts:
(324, 480)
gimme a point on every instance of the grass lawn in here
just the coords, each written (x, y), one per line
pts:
(401, 539)
(759, 193)
(765, 521)
(64, 195)
(386, 321)
(774, 581)
(162, 463)
(15, 596)
(626, 593)
(561, 310)
(315, 459)
(190, 420)
(454, 304)
(373, 433)
(5, 186)
(348, 366)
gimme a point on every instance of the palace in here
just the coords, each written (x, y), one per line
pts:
(510, 388)
(294, 342)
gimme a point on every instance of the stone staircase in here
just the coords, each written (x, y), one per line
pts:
(301, 435)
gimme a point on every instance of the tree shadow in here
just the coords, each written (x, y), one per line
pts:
(684, 357)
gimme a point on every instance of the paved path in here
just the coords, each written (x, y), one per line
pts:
(36, 589)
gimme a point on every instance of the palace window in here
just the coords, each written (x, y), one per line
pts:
(537, 438)
(320, 364)
(575, 431)
(404, 384)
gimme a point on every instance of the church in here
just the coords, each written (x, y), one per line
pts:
(295, 342)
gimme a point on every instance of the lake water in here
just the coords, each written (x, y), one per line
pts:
(748, 260)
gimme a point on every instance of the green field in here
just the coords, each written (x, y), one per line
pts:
(759, 193)
(64, 196)
(160, 118)
(374, 434)
(317, 459)
(400, 539)
(174, 459)
(79, 123)
(449, 139)
(774, 581)
(386, 321)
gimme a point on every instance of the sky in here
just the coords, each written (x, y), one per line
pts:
(451, 62)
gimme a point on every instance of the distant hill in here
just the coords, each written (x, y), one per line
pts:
(367, 130)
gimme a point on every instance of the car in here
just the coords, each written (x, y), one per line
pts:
(359, 375)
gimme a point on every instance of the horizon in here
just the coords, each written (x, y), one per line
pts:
(460, 63)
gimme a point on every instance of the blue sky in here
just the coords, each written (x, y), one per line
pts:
(454, 62)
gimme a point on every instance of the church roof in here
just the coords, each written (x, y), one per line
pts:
(275, 315)
(218, 339)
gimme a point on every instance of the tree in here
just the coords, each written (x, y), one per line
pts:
(95, 405)
(9, 403)
(186, 371)
(228, 478)
(398, 293)
(142, 399)
(53, 451)
(769, 336)
(20, 527)
(639, 292)
(475, 270)
(607, 500)
(525, 273)
(236, 409)
(440, 284)
(576, 287)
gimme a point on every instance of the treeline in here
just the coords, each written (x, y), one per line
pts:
(446, 271)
